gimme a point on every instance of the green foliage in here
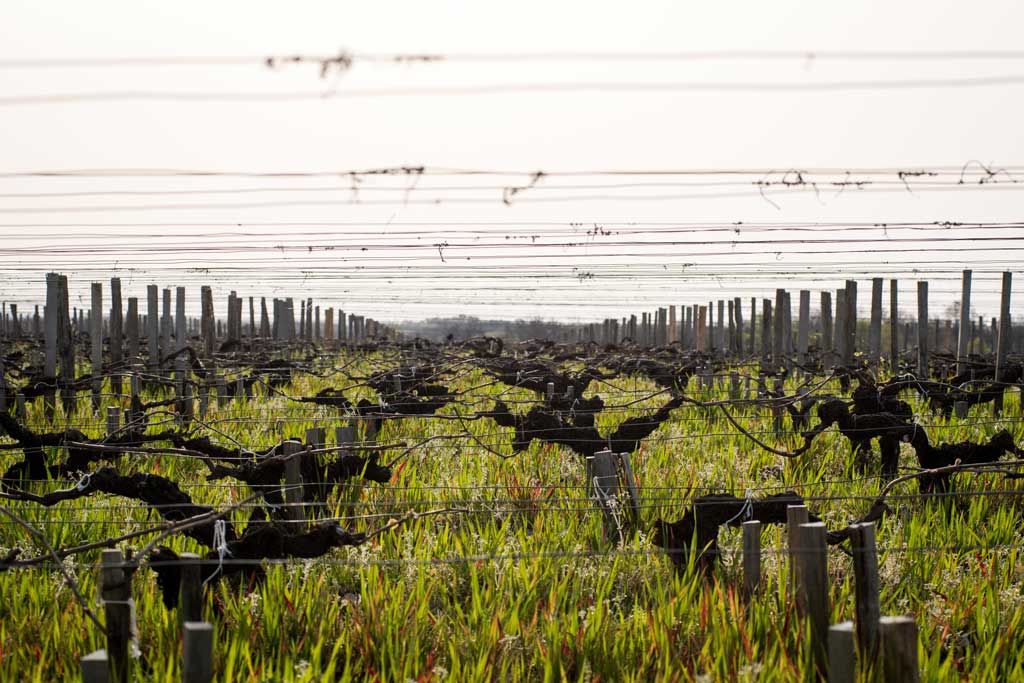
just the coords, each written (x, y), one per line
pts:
(542, 595)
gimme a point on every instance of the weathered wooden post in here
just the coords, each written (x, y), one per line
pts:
(96, 343)
(778, 328)
(95, 667)
(66, 346)
(116, 595)
(197, 652)
(190, 590)
(166, 325)
(804, 325)
(116, 336)
(812, 588)
(826, 326)
(293, 481)
(702, 329)
(604, 483)
(751, 558)
(208, 322)
(922, 329)
(796, 515)
(132, 329)
(738, 308)
(894, 326)
(50, 342)
(899, 650)
(766, 330)
(875, 326)
(865, 571)
(152, 328)
(850, 323)
(1003, 342)
(842, 658)
(631, 490)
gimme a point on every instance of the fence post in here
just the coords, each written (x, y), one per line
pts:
(850, 321)
(1003, 342)
(603, 482)
(751, 558)
(197, 652)
(812, 588)
(842, 660)
(865, 572)
(634, 496)
(51, 316)
(152, 327)
(826, 327)
(894, 327)
(96, 343)
(922, 330)
(116, 336)
(778, 327)
(95, 667)
(899, 650)
(190, 592)
(293, 481)
(116, 595)
(875, 329)
(795, 516)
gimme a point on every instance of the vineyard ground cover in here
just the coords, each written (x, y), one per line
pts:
(525, 586)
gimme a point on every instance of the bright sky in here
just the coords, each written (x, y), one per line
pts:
(368, 251)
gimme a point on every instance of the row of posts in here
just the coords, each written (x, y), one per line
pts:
(159, 332)
(723, 330)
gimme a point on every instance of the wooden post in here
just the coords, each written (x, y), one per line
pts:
(796, 515)
(197, 652)
(804, 325)
(152, 328)
(634, 496)
(751, 558)
(181, 366)
(812, 588)
(603, 481)
(922, 330)
(66, 346)
(766, 330)
(850, 323)
(673, 331)
(113, 420)
(51, 317)
(842, 660)
(826, 324)
(753, 326)
(778, 327)
(839, 331)
(894, 326)
(738, 312)
(1003, 343)
(96, 342)
(166, 324)
(95, 667)
(702, 330)
(132, 328)
(264, 318)
(190, 592)
(116, 336)
(875, 329)
(293, 482)
(116, 594)
(899, 650)
(865, 571)
(208, 324)
(720, 340)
